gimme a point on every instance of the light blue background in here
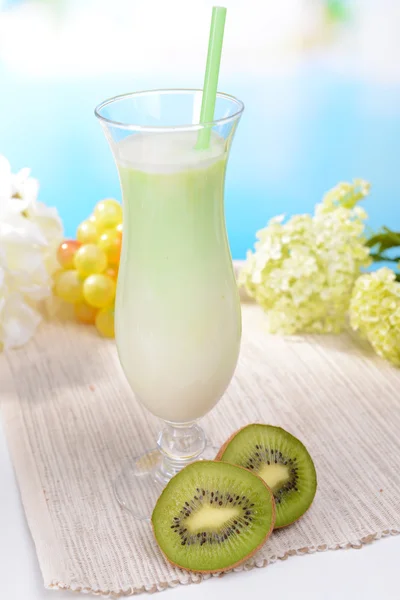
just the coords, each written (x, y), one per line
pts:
(302, 132)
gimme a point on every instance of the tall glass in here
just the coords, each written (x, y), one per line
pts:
(178, 320)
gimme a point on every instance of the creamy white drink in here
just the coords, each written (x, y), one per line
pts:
(178, 322)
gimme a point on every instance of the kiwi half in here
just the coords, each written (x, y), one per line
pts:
(282, 461)
(212, 516)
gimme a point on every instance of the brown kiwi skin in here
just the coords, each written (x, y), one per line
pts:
(224, 446)
(239, 562)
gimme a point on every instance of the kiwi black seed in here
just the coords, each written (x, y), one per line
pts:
(282, 461)
(212, 516)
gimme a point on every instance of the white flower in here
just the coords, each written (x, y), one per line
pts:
(375, 312)
(302, 271)
(18, 321)
(30, 233)
(17, 191)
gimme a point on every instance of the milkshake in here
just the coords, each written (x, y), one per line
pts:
(178, 322)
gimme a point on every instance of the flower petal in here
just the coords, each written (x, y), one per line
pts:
(18, 322)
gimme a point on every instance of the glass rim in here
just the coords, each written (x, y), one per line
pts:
(160, 128)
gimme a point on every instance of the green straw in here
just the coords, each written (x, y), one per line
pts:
(211, 75)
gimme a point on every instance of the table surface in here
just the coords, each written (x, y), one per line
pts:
(369, 573)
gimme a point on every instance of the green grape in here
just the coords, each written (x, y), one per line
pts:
(90, 259)
(108, 214)
(68, 286)
(85, 314)
(110, 242)
(87, 232)
(105, 322)
(112, 272)
(66, 252)
(99, 290)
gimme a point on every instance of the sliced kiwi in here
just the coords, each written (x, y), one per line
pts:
(212, 516)
(282, 461)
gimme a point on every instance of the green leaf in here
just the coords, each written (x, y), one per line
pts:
(384, 240)
(382, 258)
(393, 235)
(376, 239)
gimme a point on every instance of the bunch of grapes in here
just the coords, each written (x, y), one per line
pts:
(89, 267)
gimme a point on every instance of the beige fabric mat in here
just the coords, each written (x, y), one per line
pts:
(71, 422)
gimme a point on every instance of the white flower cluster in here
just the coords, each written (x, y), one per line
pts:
(302, 272)
(30, 233)
(375, 312)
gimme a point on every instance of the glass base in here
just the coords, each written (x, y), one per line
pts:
(140, 483)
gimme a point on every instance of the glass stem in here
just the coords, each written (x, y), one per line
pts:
(179, 444)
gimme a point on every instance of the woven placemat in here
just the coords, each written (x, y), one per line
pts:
(71, 421)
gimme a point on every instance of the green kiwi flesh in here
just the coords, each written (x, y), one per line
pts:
(282, 461)
(211, 516)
